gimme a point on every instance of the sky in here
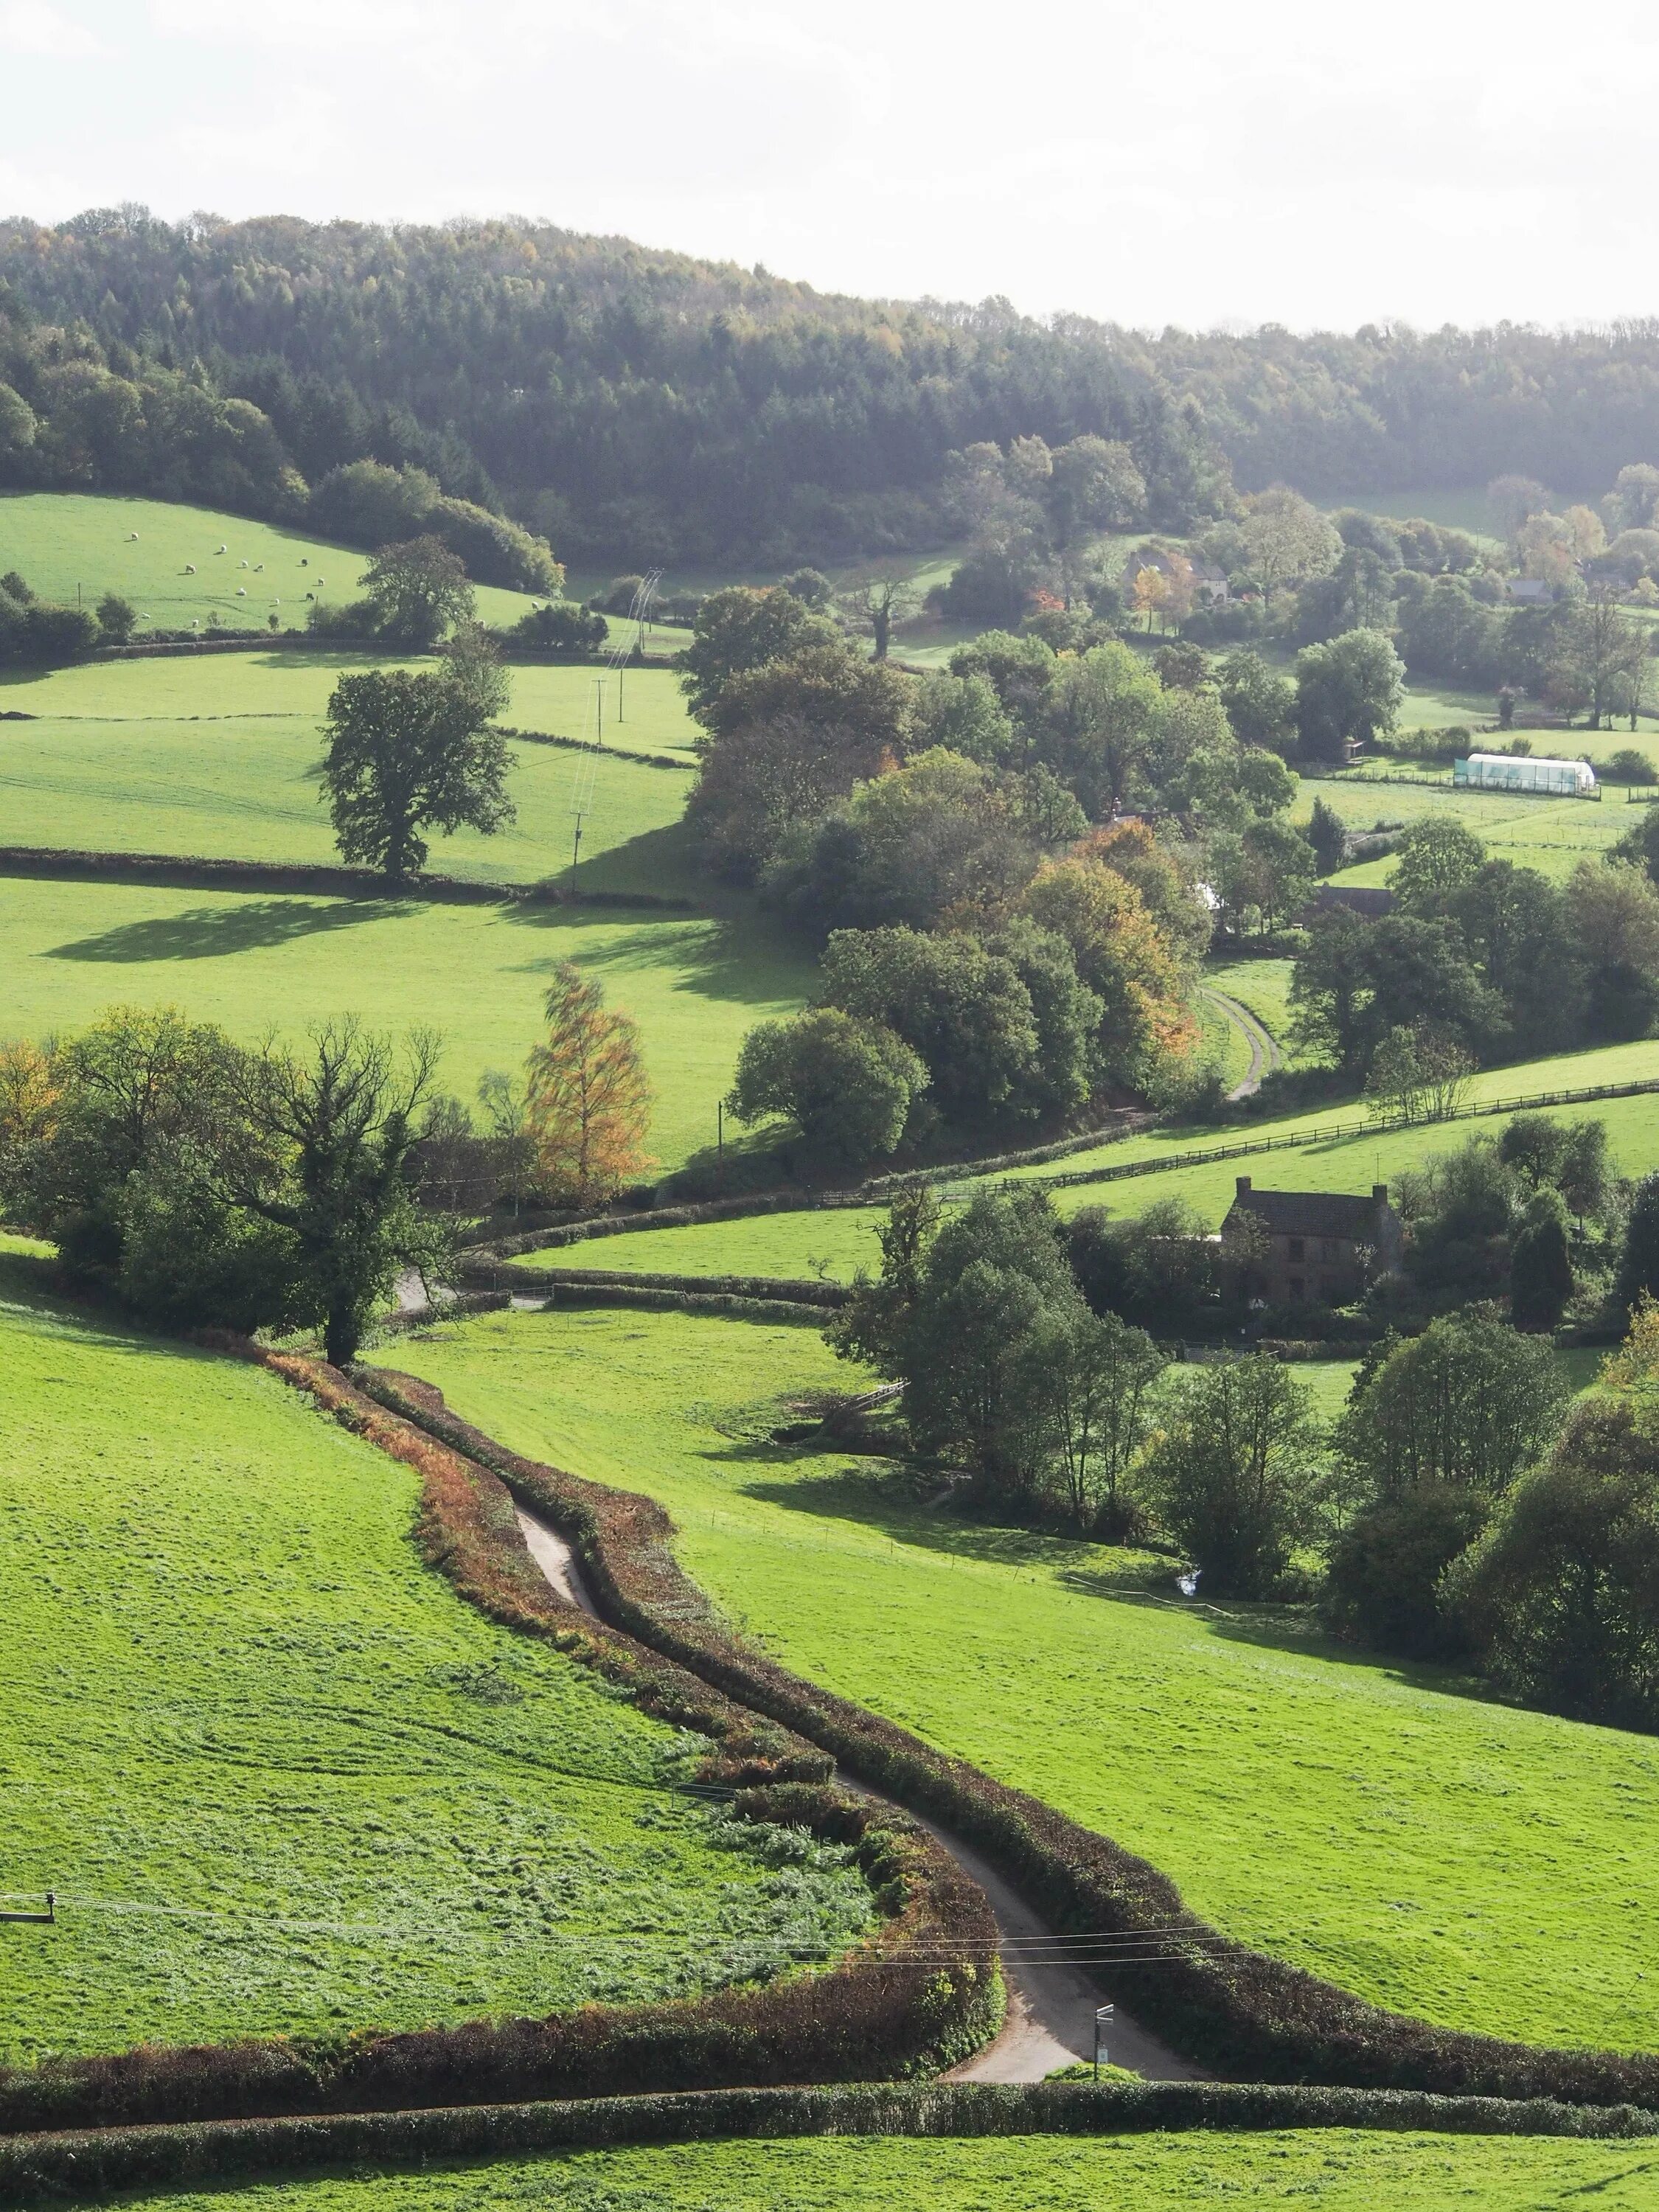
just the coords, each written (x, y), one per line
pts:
(1315, 165)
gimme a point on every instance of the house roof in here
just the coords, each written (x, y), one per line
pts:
(1368, 899)
(1311, 1212)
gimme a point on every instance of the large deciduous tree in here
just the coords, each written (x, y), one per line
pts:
(408, 751)
(418, 592)
(1236, 1473)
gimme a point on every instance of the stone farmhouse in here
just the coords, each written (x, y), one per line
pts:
(1323, 1248)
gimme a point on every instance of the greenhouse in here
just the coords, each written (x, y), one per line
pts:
(1553, 779)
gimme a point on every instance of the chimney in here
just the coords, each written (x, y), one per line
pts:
(1243, 1186)
(1380, 1192)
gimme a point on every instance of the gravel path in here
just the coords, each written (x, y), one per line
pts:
(1051, 2005)
(1266, 1052)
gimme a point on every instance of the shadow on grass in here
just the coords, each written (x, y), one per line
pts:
(213, 933)
(711, 955)
(886, 1502)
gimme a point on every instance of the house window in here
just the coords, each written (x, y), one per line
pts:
(1297, 1249)
(1298, 1289)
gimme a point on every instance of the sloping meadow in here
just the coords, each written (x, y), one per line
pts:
(282, 1778)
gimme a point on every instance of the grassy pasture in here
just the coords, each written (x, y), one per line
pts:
(251, 960)
(833, 1241)
(1483, 1867)
(282, 1777)
(248, 789)
(1332, 2170)
(1550, 835)
(1466, 510)
(1263, 987)
(58, 540)
(295, 682)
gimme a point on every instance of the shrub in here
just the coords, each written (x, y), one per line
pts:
(849, 1085)
(1382, 1580)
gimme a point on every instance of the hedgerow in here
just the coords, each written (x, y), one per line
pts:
(1230, 2008)
(33, 2169)
(921, 1990)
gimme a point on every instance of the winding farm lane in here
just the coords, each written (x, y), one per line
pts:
(1266, 1052)
(1051, 2007)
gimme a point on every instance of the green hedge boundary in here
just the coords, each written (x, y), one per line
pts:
(1233, 2010)
(920, 1992)
(40, 2169)
(189, 871)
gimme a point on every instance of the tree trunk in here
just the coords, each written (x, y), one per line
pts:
(882, 625)
(342, 1335)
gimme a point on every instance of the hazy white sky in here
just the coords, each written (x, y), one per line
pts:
(1295, 161)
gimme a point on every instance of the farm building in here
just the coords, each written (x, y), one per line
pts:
(1555, 778)
(1322, 1248)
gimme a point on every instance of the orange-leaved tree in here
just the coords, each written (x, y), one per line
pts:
(1123, 956)
(589, 1099)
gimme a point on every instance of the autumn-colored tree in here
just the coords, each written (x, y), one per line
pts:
(1150, 594)
(589, 1099)
(1123, 958)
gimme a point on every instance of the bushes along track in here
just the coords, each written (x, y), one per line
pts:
(37, 2168)
(922, 1990)
(1229, 2008)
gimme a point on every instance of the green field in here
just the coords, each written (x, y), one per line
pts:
(477, 974)
(248, 789)
(59, 541)
(281, 1777)
(1486, 1868)
(1468, 509)
(282, 683)
(832, 1242)
(1550, 835)
(1335, 2170)
(1263, 987)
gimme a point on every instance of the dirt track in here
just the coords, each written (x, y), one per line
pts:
(1051, 2005)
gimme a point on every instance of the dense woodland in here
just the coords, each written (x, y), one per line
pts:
(621, 400)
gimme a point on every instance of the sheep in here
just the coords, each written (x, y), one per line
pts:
(241, 591)
(190, 568)
(224, 548)
(258, 567)
(132, 537)
(241, 564)
(321, 581)
(304, 560)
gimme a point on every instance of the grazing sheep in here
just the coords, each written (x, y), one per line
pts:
(310, 595)
(321, 581)
(241, 591)
(304, 560)
(224, 548)
(241, 564)
(190, 568)
(132, 537)
(258, 567)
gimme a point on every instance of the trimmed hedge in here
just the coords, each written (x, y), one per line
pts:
(1233, 2009)
(787, 1312)
(799, 1200)
(186, 872)
(586, 744)
(36, 2167)
(921, 1990)
(790, 1290)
